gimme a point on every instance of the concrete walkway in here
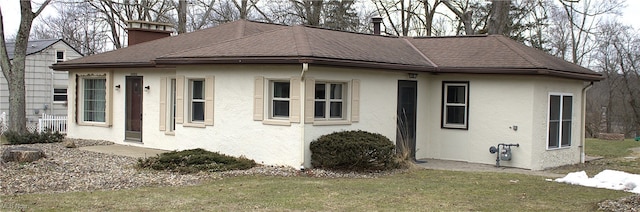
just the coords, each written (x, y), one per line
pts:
(476, 167)
(124, 150)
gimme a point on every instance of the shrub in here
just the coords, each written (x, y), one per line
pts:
(48, 136)
(195, 160)
(353, 150)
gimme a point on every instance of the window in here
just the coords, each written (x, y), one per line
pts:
(279, 94)
(59, 95)
(196, 100)
(560, 113)
(172, 105)
(455, 105)
(94, 100)
(329, 100)
(60, 56)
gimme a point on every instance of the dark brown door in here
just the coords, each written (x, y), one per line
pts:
(406, 127)
(133, 109)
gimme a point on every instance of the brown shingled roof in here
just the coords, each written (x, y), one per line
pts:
(143, 54)
(252, 42)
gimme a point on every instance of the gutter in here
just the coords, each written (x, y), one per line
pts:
(303, 87)
(582, 121)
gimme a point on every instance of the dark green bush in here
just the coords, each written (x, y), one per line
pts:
(48, 136)
(353, 150)
(195, 160)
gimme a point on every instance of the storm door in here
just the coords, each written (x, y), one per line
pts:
(133, 107)
(406, 126)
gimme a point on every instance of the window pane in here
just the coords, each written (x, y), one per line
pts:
(197, 110)
(94, 100)
(455, 114)
(566, 107)
(456, 94)
(336, 91)
(566, 133)
(60, 55)
(319, 109)
(554, 108)
(336, 110)
(554, 130)
(280, 108)
(60, 98)
(198, 89)
(281, 89)
(320, 91)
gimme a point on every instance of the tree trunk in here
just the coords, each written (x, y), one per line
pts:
(499, 17)
(182, 16)
(22, 154)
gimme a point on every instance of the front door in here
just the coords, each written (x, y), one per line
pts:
(406, 126)
(133, 106)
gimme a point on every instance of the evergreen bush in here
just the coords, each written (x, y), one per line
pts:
(15, 138)
(195, 160)
(353, 151)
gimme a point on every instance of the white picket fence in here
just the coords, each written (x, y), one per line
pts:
(51, 122)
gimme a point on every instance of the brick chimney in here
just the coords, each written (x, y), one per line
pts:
(143, 31)
(376, 25)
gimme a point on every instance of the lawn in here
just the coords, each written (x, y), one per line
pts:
(617, 156)
(420, 190)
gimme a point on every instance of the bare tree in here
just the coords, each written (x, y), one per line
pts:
(13, 69)
(582, 18)
(499, 17)
(76, 24)
(462, 10)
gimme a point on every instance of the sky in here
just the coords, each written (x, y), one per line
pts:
(11, 14)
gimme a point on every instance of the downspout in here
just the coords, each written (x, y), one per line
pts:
(582, 121)
(305, 68)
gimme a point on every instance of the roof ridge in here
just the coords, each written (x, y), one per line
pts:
(518, 51)
(220, 43)
(420, 52)
(303, 47)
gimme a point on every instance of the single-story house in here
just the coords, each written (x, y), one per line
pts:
(266, 91)
(45, 89)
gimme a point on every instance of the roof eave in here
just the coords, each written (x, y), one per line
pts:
(65, 67)
(291, 60)
(522, 71)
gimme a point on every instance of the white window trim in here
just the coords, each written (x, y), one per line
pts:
(271, 99)
(190, 122)
(561, 120)
(327, 120)
(54, 94)
(172, 106)
(64, 55)
(444, 123)
(80, 99)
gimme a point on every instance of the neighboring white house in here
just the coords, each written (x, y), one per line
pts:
(46, 90)
(266, 91)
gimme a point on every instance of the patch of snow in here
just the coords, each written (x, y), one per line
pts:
(609, 179)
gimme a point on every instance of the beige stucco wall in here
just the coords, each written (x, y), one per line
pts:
(497, 104)
(543, 158)
(378, 95)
